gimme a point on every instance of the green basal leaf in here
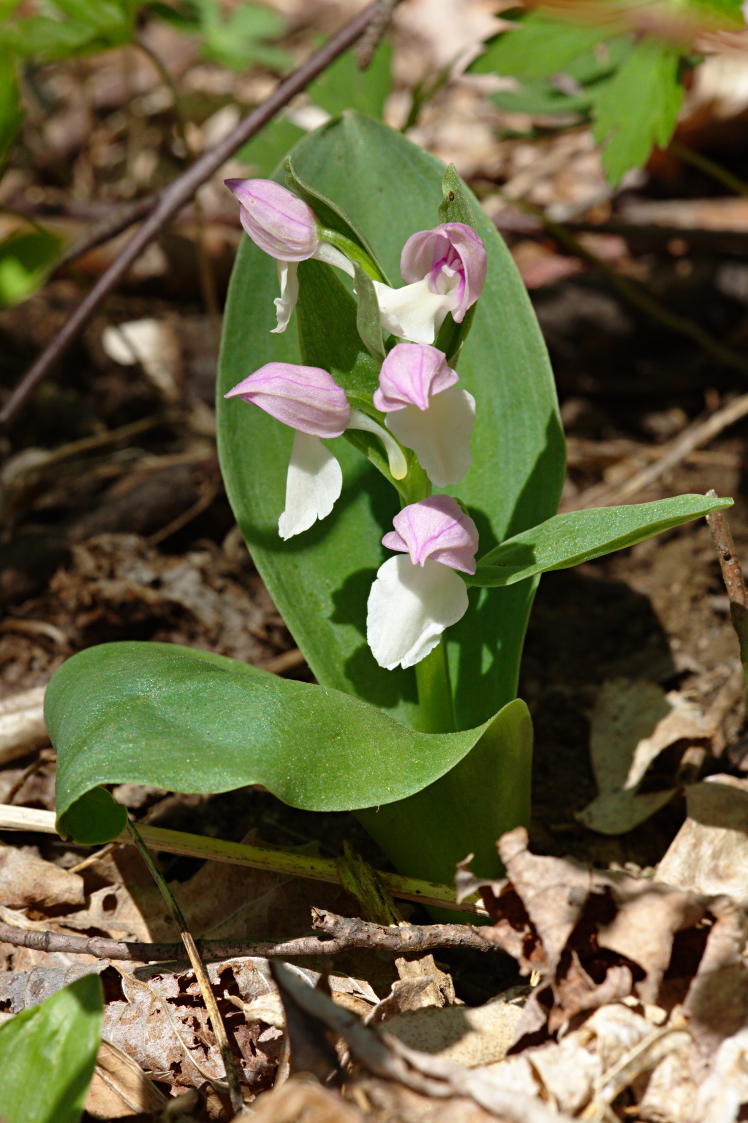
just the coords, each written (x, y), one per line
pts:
(191, 721)
(389, 189)
(638, 108)
(579, 536)
(48, 1053)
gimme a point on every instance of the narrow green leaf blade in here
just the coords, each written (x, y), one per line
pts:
(191, 721)
(579, 536)
(48, 1053)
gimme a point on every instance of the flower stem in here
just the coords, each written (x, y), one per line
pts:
(352, 251)
(435, 703)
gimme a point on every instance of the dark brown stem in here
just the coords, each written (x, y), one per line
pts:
(345, 933)
(173, 197)
(732, 575)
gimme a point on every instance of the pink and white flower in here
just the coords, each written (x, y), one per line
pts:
(426, 410)
(309, 400)
(285, 227)
(417, 595)
(444, 270)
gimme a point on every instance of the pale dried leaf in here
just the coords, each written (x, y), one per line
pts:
(27, 881)
(471, 1036)
(303, 1100)
(621, 811)
(22, 725)
(709, 854)
(151, 343)
(720, 1098)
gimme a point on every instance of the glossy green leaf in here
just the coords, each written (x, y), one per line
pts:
(389, 188)
(579, 536)
(48, 1053)
(191, 721)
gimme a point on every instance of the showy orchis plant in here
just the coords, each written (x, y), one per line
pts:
(398, 429)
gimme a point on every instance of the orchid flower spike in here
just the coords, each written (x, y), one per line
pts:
(417, 595)
(445, 270)
(426, 410)
(286, 228)
(309, 400)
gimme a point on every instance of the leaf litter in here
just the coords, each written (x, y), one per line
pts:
(638, 997)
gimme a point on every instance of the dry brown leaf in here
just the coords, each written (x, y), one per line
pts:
(120, 1088)
(302, 1100)
(709, 854)
(631, 724)
(27, 881)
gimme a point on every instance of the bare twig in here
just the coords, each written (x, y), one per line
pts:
(638, 296)
(346, 933)
(173, 197)
(256, 857)
(696, 435)
(201, 975)
(732, 575)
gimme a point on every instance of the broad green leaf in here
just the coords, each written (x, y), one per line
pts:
(191, 721)
(389, 188)
(48, 1053)
(638, 108)
(25, 261)
(579, 536)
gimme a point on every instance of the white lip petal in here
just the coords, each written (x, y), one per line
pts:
(413, 312)
(440, 435)
(288, 280)
(313, 483)
(409, 607)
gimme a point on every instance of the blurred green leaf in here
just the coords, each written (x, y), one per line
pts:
(65, 28)
(48, 1053)
(25, 261)
(638, 108)
(238, 38)
(10, 104)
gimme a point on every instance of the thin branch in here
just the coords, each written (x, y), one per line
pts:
(732, 575)
(345, 932)
(201, 975)
(256, 857)
(173, 197)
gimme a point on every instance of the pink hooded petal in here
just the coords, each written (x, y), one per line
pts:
(453, 257)
(411, 375)
(435, 529)
(276, 220)
(307, 399)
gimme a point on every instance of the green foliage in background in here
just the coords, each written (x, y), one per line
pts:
(238, 39)
(630, 87)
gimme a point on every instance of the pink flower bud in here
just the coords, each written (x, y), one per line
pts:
(276, 220)
(453, 259)
(435, 529)
(411, 375)
(305, 398)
